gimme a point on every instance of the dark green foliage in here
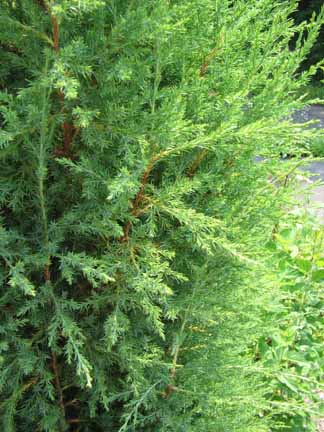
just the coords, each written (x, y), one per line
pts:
(134, 221)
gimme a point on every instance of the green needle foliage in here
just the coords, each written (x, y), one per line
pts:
(134, 221)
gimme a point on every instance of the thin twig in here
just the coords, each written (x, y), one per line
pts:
(138, 199)
(71, 402)
(74, 421)
(47, 273)
(204, 66)
(58, 383)
(210, 56)
(56, 34)
(195, 164)
(69, 130)
(32, 382)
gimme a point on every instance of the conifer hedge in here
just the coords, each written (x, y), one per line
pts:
(135, 277)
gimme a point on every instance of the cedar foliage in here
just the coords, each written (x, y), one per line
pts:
(133, 219)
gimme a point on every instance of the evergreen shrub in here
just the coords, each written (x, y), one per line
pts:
(134, 220)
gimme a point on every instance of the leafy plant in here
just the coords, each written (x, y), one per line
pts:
(293, 350)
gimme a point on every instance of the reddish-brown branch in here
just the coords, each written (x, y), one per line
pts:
(47, 273)
(56, 34)
(204, 66)
(140, 194)
(210, 56)
(57, 383)
(138, 199)
(69, 133)
(203, 69)
(126, 230)
(68, 129)
(170, 388)
(194, 166)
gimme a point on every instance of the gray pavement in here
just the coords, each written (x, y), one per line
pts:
(315, 169)
(312, 112)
